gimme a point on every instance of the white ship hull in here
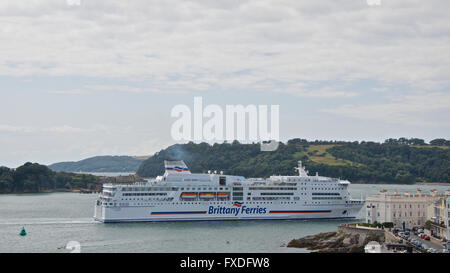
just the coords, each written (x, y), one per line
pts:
(204, 212)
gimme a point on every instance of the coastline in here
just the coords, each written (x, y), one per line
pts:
(404, 184)
(52, 191)
(433, 183)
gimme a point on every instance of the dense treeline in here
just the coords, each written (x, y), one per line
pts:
(33, 177)
(394, 161)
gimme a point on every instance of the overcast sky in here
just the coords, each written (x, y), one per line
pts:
(101, 78)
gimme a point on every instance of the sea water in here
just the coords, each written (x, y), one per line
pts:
(54, 219)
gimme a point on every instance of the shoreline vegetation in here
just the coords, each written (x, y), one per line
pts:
(36, 178)
(433, 183)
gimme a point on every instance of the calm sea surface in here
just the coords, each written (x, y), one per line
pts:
(54, 219)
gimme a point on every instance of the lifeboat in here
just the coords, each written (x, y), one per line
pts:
(222, 194)
(189, 195)
(207, 195)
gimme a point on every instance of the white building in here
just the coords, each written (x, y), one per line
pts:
(440, 221)
(401, 209)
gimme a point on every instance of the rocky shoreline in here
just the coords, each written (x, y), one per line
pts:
(335, 242)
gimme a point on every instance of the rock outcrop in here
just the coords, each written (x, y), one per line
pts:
(337, 242)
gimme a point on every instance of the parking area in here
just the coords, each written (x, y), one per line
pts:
(428, 243)
(420, 242)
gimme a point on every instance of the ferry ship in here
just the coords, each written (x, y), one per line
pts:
(180, 195)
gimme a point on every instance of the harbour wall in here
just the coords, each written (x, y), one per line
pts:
(363, 232)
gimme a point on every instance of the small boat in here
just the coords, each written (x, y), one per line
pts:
(23, 232)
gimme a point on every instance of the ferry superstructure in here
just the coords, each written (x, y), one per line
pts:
(180, 195)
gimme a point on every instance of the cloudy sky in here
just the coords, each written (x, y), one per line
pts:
(101, 77)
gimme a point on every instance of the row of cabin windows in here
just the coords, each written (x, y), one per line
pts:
(269, 198)
(149, 189)
(327, 198)
(198, 203)
(144, 194)
(205, 189)
(272, 188)
(250, 202)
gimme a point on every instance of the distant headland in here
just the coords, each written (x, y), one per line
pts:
(100, 164)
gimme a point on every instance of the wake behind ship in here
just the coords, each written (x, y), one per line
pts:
(180, 195)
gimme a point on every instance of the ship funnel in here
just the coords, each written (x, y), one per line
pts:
(176, 167)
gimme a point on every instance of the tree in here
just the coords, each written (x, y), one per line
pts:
(439, 142)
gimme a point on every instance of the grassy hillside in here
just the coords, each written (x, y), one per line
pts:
(319, 154)
(100, 164)
(365, 162)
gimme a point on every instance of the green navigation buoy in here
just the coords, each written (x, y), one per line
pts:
(23, 232)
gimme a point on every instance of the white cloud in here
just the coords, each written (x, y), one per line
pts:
(15, 129)
(373, 62)
(409, 110)
(95, 89)
(51, 129)
(199, 45)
